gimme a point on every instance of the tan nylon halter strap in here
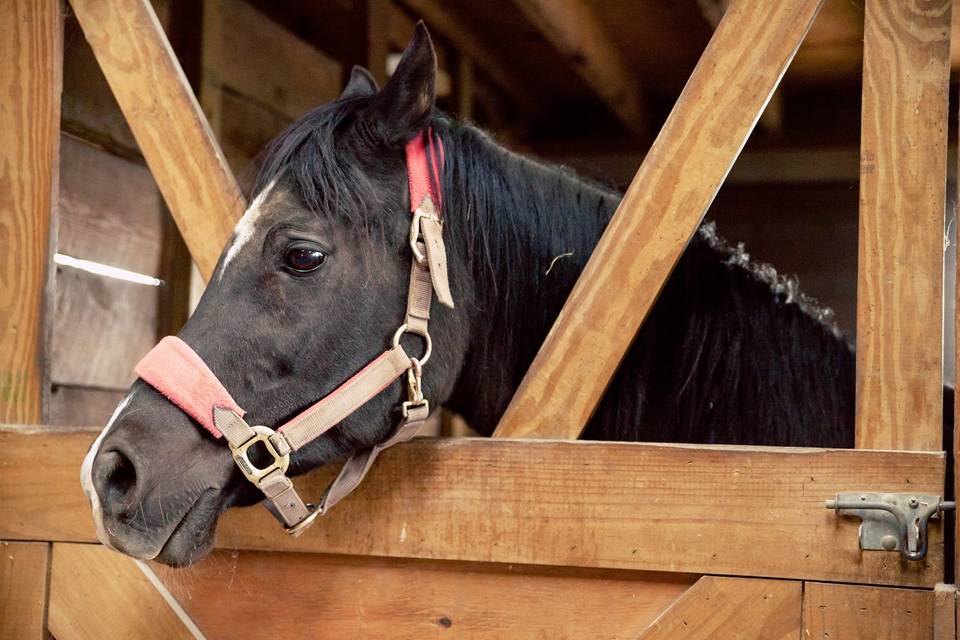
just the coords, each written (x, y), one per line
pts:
(178, 372)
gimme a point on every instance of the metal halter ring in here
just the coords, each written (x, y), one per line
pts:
(423, 334)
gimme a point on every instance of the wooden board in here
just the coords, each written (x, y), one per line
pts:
(578, 34)
(31, 67)
(82, 405)
(869, 613)
(309, 77)
(903, 163)
(718, 607)
(169, 127)
(110, 209)
(945, 612)
(728, 510)
(659, 213)
(97, 593)
(101, 329)
(23, 589)
(89, 110)
(110, 213)
(349, 597)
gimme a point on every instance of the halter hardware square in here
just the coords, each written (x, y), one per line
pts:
(253, 473)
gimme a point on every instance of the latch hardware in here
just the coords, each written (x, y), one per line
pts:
(892, 521)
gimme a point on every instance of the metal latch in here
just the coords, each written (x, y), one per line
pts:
(892, 521)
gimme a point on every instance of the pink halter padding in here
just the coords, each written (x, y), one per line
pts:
(423, 169)
(176, 371)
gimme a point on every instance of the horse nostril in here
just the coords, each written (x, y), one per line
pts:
(115, 478)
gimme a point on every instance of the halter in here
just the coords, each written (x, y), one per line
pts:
(175, 370)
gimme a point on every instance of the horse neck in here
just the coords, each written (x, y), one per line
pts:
(526, 231)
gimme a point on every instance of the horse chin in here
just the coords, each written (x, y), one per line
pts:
(192, 539)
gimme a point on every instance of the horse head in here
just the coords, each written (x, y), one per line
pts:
(312, 286)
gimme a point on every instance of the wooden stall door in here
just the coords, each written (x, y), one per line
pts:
(732, 510)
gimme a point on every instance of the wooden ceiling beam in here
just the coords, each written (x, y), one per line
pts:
(575, 30)
(442, 18)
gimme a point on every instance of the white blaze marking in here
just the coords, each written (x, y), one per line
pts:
(86, 473)
(247, 224)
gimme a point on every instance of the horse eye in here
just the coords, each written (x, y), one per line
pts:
(304, 259)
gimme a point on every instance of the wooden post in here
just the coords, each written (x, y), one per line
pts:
(31, 71)
(671, 192)
(903, 164)
(167, 122)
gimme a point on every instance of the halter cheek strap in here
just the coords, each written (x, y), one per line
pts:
(179, 373)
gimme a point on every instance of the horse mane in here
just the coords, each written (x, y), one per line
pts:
(529, 228)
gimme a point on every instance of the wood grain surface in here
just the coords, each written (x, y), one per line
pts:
(728, 510)
(31, 70)
(97, 593)
(658, 215)
(355, 597)
(168, 125)
(23, 590)
(717, 607)
(855, 612)
(903, 164)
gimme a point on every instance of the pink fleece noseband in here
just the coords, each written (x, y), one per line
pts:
(176, 371)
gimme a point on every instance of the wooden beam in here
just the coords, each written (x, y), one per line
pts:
(166, 121)
(98, 593)
(31, 75)
(442, 18)
(24, 567)
(335, 596)
(718, 607)
(903, 164)
(677, 508)
(659, 213)
(575, 30)
(866, 613)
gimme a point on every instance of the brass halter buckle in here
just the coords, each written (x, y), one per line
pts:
(253, 473)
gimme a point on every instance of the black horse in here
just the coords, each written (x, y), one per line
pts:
(731, 352)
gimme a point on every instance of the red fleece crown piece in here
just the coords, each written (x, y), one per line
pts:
(424, 160)
(176, 371)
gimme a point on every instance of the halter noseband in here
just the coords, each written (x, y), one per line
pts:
(175, 370)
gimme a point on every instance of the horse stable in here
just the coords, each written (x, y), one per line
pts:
(500, 319)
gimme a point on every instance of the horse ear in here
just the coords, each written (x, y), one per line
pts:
(404, 105)
(360, 85)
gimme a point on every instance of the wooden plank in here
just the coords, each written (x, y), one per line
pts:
(169, 127)
(660, 212)
(945, 612)
(582, 40)
(101, 329)
(867, 613)
(98, 593)
(309, 77)
(111, 213)
(109, 209)
(717, 607)
(31, 70)
(82, 405)
(903, 164)
(23, 589)
(349, 596)
(688, 509)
